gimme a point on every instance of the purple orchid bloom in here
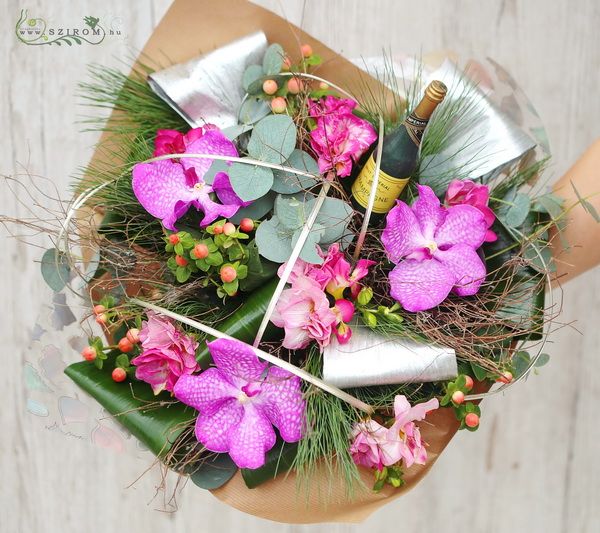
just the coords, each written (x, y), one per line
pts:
(240, 401)
(434, 249)
(168, 188)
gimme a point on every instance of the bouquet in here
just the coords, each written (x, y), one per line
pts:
(267, 331)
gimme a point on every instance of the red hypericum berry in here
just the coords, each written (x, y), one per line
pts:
(458, 397)
(270, 87)
(200, 251)
(181, 261)
(306, 50)
(246, 224)
(89, 353)
(174, 239)
(469, 382)
(287, 63)
(278, 104)
(218, 230)
(98, 309)
(228, 273)
(125, 345)
(506, 377)
(472, 420)
(119, 374)
(228, 228)
(102, 319)
(133, 335)
(295, 86)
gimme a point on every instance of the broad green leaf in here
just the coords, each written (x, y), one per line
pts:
(251, 74)
(279, 460)
(273, 59)
(250, 181)
(244, 322)
(134, 405)
(214, 472)
(55, 269)
(273, 139)
(309, 250)
(259, 270)
(288, 182)
(274, 241)
(334, 216)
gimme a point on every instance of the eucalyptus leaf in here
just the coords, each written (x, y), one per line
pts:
(251, 74)
(233, 132)
(291, 211)
(514, 209)
(215, 167)
(256, 210)
(550, 204)
(55, 269)
(273, 139)
(273, 59)
(214, 472)
(309, 251)
(334, 216)
(288, 182)
(542, 360)
(250, 182)
(274, 241)
(253, 110)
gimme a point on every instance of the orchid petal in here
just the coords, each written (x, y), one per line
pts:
(205, 392)
(428, 211)
(402, 233)
(464, 224)
(215, 430)
(236, 358)
(468, 268)
(420, 285)
(251, 439)
(212, 142)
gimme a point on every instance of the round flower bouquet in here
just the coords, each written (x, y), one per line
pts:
(304, 355)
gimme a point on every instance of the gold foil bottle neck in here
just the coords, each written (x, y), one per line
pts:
(434, 94)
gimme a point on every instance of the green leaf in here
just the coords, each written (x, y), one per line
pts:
(251, 74)
(214, 169)
(55, 269)
(479, 372)
(520, 362)
(273, 139)
(288, 182)
(244, 322)
(182, 274)
(214, 259)
(259, 270)
(273, 59)
(542, 360)
(214, 472)
(257, 210)
(334, 217)
(290, 211)
(134, 405)
(231, 287)
(550, 204)
(233, 132)
(515, 211)
(586, 205)
(274, 241)
(253, 110)
(250, 182)
(279, 460)
(122, 361)
(309, 250)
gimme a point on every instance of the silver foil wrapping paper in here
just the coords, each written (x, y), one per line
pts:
(208, 89)
(373, 359)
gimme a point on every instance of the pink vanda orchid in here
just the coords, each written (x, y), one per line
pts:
(168, 188)
(434, 249)
(240, 400)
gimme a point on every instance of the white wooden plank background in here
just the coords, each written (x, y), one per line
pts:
(532, 467)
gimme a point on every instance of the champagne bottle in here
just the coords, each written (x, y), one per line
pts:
(399, 157)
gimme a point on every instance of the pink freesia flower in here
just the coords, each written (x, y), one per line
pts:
(467, 192)
(404, 436)
(340, 137)
(375, 446)
(168, 188)
(240, 401)
(304, 313)
(167, 353)
(435, 251)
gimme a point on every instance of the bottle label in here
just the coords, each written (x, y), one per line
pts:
(415, 127)
(388, 188)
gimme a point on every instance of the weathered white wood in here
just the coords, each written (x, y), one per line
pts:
(531, 467)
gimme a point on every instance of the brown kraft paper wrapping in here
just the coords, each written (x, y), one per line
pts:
(192, 27)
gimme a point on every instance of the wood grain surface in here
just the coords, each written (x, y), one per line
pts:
(532, 467)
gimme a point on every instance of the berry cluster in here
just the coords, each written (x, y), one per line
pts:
(219, 256)
(467, 413)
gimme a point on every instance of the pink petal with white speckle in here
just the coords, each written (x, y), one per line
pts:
(212, 142)
(402, 233)
(467, 266)
(251, 439)
(464, 224)
(215, 431)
